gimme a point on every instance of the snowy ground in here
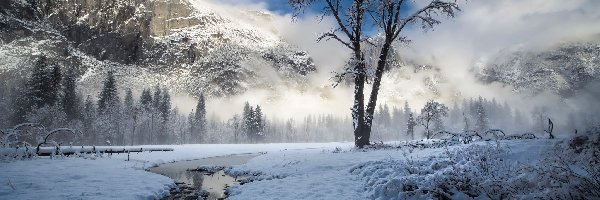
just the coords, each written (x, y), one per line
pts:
(298, 171)
(353, 174)
(112, 177)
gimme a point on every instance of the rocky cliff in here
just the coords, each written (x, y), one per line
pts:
(177, 43)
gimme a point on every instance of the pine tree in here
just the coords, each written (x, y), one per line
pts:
(407, 110)
(55, 80)
(482, 122)
(248, 115)
(384, 115)
(70, 99)
(128, 102)
(165, 106)
(109, 112)
(40, 90)
(89, 115)
(200, 121)
(157, 98)
(109, 94)
(130, 115)
(146, 99)
(192, 127)
(164, 112)
(258, 122)
(410, 125)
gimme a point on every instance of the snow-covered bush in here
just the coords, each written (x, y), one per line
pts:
(16, 142)
(475, 171)
(571, 170)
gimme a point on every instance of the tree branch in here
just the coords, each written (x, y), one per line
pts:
(330, 35)
(424, 14)
(335, 11)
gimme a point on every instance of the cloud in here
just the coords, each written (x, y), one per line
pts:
(318, 97)
(456, 46)
(484, 28)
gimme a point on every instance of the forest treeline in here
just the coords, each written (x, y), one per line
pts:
(51, 97)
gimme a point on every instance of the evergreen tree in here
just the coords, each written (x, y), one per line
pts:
(89, 115)
(146, 99)
(454, 116)
(130, 115)
(482, 122)
(109, 96)
(407, 110)
(128, 102)
(410, 125)
(258, 122)
(157, 95)
(109, 121)
(384, 115)
(397, 118)
(70, 99)
(192, 127)
(146, 117)
(165, 106)
(164, 111)
(200, 121)
(55, 80)
(248, 115)
(40, 90)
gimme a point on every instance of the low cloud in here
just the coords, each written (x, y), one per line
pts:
(455, 47)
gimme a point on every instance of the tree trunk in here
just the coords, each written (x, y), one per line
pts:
(370, 111)
(361, 137)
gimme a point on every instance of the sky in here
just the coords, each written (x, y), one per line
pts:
(276, 6)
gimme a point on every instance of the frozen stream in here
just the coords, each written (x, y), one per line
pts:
(192, 183)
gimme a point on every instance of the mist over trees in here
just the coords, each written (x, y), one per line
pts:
(118, 115)
(351, 19)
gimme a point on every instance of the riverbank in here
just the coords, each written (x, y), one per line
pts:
(113, 177)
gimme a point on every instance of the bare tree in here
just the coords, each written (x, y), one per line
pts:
(433, 111)
(389, 17)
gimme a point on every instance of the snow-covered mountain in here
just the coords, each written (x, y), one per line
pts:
(194, 45)
(187, 45)
(563, 69)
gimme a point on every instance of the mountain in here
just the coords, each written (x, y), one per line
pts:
(188, 46)
(563, 69)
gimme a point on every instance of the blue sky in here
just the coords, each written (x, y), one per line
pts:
(282, 7)
(276, 6)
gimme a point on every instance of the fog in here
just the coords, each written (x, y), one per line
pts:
(439, 64)
(456, 49)
(444, 64)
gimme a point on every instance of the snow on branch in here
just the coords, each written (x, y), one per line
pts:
(331, 35)
(50, 133)
(425, 15)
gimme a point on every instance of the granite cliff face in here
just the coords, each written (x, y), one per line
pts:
(182, 44)
(563, 69)
(191, 46)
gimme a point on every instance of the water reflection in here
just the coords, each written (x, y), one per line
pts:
(192, 182)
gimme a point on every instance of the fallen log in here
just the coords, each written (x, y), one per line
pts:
(68, 150)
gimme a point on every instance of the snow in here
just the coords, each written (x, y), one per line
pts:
(77, 178)
(112, 177)
(299, 171)
(370, 174)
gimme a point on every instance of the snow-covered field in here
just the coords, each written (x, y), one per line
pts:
(112, 177)
(488, 170)
(348, 173)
